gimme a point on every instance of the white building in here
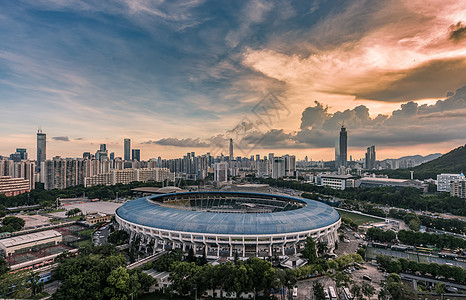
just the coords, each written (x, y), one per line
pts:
(221, 172)
(444, 181)
(337, 182)
(22, 243)
(278, 167)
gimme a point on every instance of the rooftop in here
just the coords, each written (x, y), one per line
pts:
(27, 238)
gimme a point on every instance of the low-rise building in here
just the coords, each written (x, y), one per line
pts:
(14, 186)
(373, 182)
(458, 189)
(26, 242)
(96, 217)
(337, 182)
(444, 181)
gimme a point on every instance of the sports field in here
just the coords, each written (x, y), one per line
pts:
(359, 219)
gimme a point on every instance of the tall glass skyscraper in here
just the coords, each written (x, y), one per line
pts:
(341, 149)
(41, 148)
(127, 150)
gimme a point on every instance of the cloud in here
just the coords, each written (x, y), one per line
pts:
(188, 142)
(61, 138)
(457, 32)
(412, 124)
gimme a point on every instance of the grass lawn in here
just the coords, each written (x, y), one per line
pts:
(357, 218)
(83, 243)
(86, 233)
(75, 218)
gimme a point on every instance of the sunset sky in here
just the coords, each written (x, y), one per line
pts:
(276, 76)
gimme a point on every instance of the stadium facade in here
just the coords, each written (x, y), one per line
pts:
(228, 223)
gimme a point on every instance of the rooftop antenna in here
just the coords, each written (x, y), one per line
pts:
(39, 130)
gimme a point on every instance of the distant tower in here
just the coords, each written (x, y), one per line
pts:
(127, 150)
(341, 148)
(136, 154)
(41, 148)
(370, 158)
(231, 149)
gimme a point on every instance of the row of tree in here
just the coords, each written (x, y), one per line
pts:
(441, 241)
(403, 265)
(253, 275)
(452, 225)
(380, 235)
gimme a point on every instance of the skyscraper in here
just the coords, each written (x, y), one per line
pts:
(231, 149)
(136, 154)
(41, 148)
(370, 158)
(127, 149)
(341, 149)
(23, 153)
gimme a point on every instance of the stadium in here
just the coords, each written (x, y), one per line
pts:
(225, 224)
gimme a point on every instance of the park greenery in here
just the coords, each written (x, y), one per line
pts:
(99, 273)
(390, 265)
(11, 224)
(190, 274)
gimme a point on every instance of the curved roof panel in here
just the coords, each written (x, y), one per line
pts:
(314, 215)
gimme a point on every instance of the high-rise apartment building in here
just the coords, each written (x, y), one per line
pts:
(41, 148)
(22, 153)
(221, 172)
(278, 167)
(341, 148)
(127, 149)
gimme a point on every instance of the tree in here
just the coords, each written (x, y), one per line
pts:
(440, 289)
(341, 279)
(34, 282)
(367, 290)
(414, 224)
(118, 284)
(310, 251)
(318, 289)
(118, 237)
(322, 248)
(14, 222)
(356, 290)
(3, 266)
(191, 257)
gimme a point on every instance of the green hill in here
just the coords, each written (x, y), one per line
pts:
(451, 162)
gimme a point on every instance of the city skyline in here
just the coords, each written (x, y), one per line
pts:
(179, 77)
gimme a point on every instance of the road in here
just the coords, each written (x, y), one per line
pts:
(100, 236)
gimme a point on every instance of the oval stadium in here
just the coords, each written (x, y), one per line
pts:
(225, 224)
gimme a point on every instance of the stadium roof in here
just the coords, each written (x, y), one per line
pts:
(313, 216)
